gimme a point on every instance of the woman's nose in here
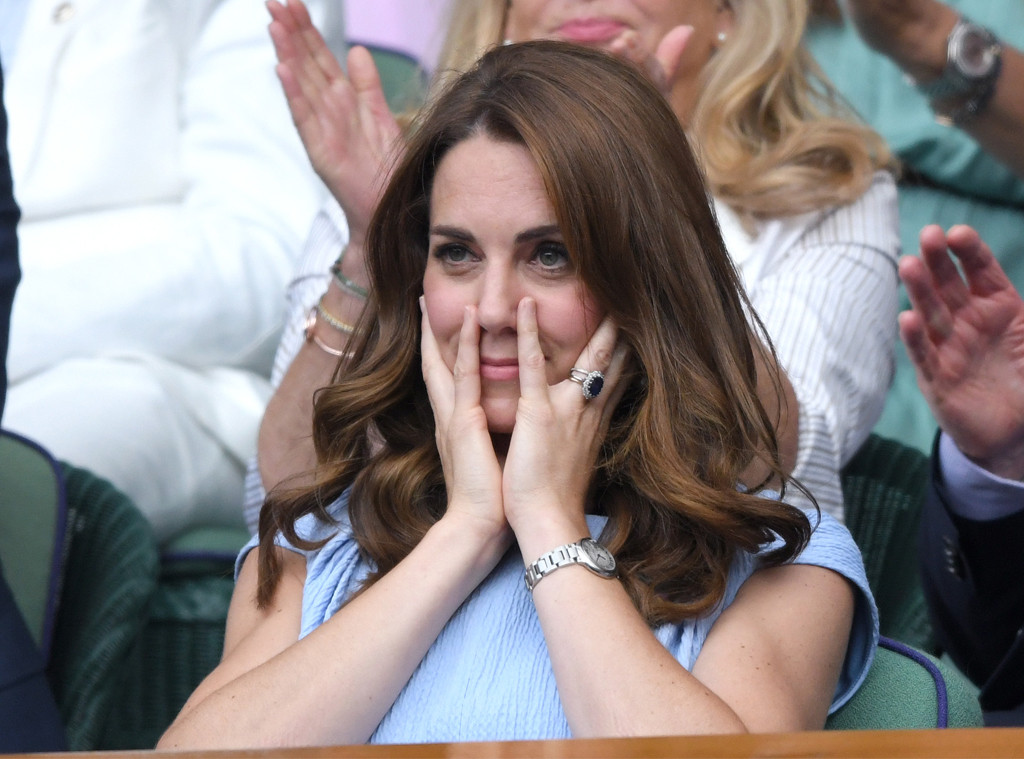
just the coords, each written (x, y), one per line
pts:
(499, 298)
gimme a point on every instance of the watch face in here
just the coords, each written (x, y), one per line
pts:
(600, 555)
(976, 52)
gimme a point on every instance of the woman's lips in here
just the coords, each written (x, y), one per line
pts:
(592, 30)
(499, 370)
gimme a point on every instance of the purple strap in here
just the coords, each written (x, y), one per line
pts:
(941, 696)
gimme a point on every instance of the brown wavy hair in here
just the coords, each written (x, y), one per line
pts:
(635, 216)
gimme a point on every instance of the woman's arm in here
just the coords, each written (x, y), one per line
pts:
(349, 134)
(770, 663)
(336, 684)
(776, 653)
(914, 33)
(783, 409)
(285, 442)
(614, 677)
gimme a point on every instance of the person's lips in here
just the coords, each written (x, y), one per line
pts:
(590, 30)
(499, 369)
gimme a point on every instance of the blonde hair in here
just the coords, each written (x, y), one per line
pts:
(774, 136)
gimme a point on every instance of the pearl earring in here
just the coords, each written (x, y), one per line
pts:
(722, 37)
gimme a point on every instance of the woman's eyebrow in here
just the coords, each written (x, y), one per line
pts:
(527, 235)
(548, 230)
(455, 233)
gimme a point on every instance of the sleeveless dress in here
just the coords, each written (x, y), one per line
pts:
(488, 676)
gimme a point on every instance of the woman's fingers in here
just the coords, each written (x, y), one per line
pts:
(598, 355)
(320, 56)
(533, 381)
(467, 362)
(378, 124)
(365, 78)
(603, 353)
(436, 375)
(615, 375)
(661, 64)
(670, 53)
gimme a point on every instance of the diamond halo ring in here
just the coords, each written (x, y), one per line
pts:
(591, 382)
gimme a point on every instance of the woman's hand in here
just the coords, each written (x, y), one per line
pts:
(662, 64)
(557, 434)
(344, 121)
(471, 470)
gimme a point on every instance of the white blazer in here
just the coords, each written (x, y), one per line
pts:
(165, 196)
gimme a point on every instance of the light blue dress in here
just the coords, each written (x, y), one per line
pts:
(488, 675)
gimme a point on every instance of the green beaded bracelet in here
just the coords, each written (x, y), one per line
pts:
(344, 282)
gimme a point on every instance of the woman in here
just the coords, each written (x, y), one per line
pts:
(807, 216)
(576, 377)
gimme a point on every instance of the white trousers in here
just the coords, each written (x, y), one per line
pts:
(175, 440)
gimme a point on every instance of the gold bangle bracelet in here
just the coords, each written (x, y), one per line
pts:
(311, 337)
(328, 349)
(333, 320)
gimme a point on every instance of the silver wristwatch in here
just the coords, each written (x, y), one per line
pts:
(587, 552)
(974, 60)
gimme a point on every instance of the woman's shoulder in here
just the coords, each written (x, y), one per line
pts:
(831, 546)
(326, 529)
(871, 219)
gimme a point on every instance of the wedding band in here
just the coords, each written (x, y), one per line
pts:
(591, 382)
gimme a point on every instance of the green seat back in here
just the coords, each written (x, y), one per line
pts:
(884, 486)
(403, 80)
(907, 690)
(183, 638)
(32, 532)
(180, 645)
(109, 579)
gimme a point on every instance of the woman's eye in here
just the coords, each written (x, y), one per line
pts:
(552, 256)
(454, 254)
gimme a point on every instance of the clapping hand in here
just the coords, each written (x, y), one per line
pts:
(343, 120)
(662, 64)
(966, 339)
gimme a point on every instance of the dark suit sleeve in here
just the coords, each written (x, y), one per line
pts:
(973, 577)
(29, 720)
(9, 271)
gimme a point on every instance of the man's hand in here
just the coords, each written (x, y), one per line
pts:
(966, 339)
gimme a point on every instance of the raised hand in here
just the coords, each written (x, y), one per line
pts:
(662, 64)
(557, 433)
(471, 469)
(966, 339)
(344, 121)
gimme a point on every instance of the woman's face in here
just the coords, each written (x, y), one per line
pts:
(494, 240)
(605, 23)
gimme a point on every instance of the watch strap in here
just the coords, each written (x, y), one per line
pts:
(974, 104)
(563, 556)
